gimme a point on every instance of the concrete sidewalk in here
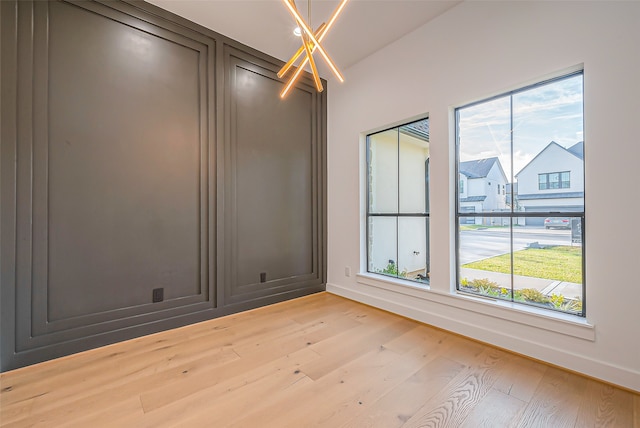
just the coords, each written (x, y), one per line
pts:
(545, 286)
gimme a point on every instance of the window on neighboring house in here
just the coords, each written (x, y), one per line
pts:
(554, 180)
(461, 186)
(398, 202)
(531, 251)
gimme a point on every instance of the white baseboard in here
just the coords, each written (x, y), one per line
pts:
(417, 310)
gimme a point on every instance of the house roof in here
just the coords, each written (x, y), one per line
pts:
(474, 199)
(551, 195)
(478, 168)
(576, 150)
(419, 129)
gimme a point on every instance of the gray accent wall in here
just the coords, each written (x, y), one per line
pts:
(141, 151)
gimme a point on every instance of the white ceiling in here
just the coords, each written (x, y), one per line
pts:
(364, 26)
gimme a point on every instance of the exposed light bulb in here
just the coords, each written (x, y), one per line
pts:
(297, 32)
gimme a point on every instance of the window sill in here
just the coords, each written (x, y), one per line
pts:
(566, 324)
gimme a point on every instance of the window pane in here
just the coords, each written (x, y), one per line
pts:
(535, 258)
(413, 252)
(548, 146)
(383, 172)
(547, 263)
(484, 137)
(484, 256)
(414, 167)
(542, 181)
(383, 251)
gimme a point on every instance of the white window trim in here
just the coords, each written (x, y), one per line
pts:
(556, 322)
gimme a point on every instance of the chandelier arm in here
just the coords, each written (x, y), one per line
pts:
(312, 63)
(293, 78)
(333, 18)
(294, 58)
(315, 41)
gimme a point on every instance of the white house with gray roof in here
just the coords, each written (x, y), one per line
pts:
(552, 181)
(482, 185)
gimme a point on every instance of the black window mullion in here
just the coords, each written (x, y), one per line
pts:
(512, 181)
(368, 199)
(398, 203)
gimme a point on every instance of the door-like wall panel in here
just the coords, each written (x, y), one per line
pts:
(274, 192)
(112, 172)
(140, 152)
(120, 197)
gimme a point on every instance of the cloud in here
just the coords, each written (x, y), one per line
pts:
(551, 112)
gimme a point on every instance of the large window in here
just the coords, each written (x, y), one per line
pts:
(525, 246)
(398, 202)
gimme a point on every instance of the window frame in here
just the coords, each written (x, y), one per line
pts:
(560, 180)
(397, 214)
(512, 214)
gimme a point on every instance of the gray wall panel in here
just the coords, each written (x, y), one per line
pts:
(123, 195)
(274, 191)
(274, 180)
(120, 175)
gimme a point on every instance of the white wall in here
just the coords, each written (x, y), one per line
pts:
(496, 178)
(475, 50)
(477, 186)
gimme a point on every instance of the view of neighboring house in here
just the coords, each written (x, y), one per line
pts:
(552, 181)
(483, 188)
(398, 183)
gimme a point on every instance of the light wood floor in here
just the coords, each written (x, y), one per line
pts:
(316, 361)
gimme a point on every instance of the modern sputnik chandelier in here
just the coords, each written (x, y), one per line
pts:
(310, 43)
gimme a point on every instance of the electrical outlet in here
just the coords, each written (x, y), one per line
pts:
(157, 295)
(347, 271)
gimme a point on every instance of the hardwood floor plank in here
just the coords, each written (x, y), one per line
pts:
(555, 402)
(131, 356)
(496, 409)
(318, 361)
(111, 375)
(402, 402)
(346, 392)
(182, 387)
(636, 411)
(285, 369)
(313, 332)
(520, 378)
(371, 335)
(97, 398)
(605, 406)
(419, 335)
(109, 416)
(16, 411)
(450, 406)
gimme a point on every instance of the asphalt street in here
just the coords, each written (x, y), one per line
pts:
(484, 243)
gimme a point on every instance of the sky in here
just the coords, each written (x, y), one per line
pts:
(551, 112)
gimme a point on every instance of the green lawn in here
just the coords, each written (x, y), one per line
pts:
(561, 263)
